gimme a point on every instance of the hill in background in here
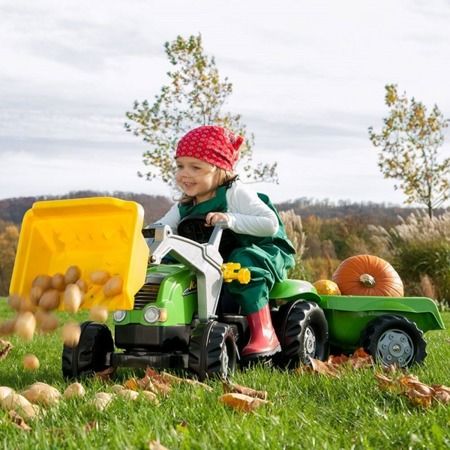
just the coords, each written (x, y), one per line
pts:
(13, 209)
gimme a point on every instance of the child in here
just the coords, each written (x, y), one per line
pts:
(205, 159)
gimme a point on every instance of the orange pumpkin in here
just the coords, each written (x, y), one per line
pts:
(368, 275)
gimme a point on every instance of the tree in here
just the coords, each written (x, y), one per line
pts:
(194, 96)
(409, 143)
(9, 235)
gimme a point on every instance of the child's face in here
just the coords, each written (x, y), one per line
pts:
(196, 178)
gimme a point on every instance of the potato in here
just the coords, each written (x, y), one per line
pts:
(50, 299)
(128, 394)
(102, 400)
(74, 390)
(35, 294)
(72, 275)
(42, 393)
(25, 325)
(30, 362)
(19, 404)
(113, 286)
(98, 314)
(71, 334)
(7, 327)
(150, 396)
(5, 391)
(15, 301)
(72, 298)
(100, 276)
(82, 285)
(43, 281)
(58, 282)
(46, 322)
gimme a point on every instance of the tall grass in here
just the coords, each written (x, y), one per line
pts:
(419, 248)
(305, 411)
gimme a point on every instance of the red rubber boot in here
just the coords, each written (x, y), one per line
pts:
(263, 339)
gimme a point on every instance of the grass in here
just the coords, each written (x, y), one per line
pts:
(306, 411)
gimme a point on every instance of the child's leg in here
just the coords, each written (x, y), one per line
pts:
(254, 295)
(253, 298)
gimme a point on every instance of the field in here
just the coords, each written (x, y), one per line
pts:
(305, 411)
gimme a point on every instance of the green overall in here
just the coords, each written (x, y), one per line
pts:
(267, 258)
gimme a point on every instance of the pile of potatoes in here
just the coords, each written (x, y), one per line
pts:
(49, 293)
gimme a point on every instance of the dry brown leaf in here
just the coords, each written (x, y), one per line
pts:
(236, 388)
(18, 421)
(105, 375)
(442, 396)
(337, 360)
(419, 399)
(5, 348)
(241, 402)
(323, 368)
(173, 379)
(131, 383)
(154, 382)
(420, 394)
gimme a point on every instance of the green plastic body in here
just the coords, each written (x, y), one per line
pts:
(177, 295)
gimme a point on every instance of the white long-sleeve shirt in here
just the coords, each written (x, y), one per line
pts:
(247, 213)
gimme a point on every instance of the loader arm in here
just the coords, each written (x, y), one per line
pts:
(204, 259)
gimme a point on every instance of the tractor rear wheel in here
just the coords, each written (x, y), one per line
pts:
(212, 350)
(394, 340)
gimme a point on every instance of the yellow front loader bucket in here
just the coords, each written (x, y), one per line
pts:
(101, 233)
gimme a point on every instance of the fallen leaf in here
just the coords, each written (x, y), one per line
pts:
(18, 421)
(131, 383)
(419, 399)
(5, 348)
(236, 388)
(242, 402)
(105, 375)
(173, 379)
(323, 368)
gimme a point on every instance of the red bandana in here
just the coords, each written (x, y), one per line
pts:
(215, 145)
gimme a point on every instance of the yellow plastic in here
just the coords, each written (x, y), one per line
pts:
(233, 271)
(101, 233)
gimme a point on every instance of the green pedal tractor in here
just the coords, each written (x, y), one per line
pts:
(173, 312)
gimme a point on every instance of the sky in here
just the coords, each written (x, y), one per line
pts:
(308, 79)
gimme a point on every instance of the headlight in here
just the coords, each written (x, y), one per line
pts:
(151, 314)
(119, 316)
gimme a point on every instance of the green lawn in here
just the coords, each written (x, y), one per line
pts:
(306, 411)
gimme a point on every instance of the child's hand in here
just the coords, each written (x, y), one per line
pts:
(213, 217)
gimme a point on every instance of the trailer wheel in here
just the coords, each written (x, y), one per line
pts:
(212, 350)
(89, 356)
(303, 333)
(394, 340)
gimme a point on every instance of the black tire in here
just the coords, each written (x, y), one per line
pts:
(212, 350)
(394, 340)
(89, 356)
(302, 330)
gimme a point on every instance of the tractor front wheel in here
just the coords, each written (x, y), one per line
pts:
(212, 350)
(89, 355)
